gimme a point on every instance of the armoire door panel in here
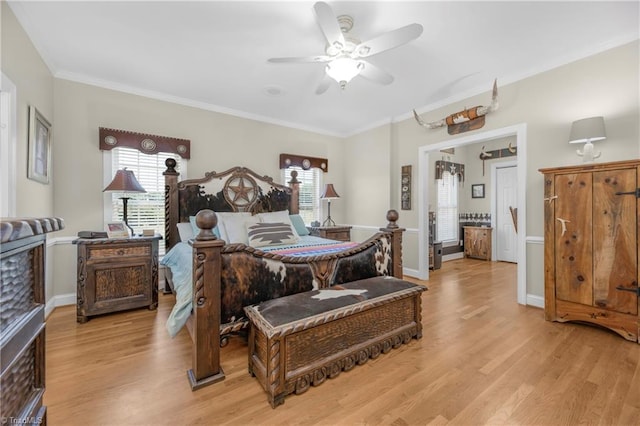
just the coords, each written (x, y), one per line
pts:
(573, 238)
(614, 240)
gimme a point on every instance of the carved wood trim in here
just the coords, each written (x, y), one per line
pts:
(143, 142)
(304, 162)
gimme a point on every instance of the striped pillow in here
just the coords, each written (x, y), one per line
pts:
(266, 234)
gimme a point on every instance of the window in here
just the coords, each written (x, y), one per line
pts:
(144, 210)
(447, 216)
(310, 184)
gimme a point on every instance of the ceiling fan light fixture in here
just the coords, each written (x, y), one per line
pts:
(363, 50)
(343, 70)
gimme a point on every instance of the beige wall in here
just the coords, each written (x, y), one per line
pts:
(22, 64)
(366, 187)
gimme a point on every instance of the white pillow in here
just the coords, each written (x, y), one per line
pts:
(185, 230)
(276, 217)
(235, 226)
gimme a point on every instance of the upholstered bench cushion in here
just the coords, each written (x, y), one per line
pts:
(300, 306)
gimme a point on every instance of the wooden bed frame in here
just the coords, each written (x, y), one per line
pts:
(215, 263)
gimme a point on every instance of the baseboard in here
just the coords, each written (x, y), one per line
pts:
(537, 301)
(410, 272)
(452, 256)
(60, 300)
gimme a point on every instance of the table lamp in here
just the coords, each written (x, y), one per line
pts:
(586, 131)
(124, 181)
(329, 194)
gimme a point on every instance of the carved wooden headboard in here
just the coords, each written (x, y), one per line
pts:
(238, 189)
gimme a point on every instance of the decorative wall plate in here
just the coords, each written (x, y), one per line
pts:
(405, 189)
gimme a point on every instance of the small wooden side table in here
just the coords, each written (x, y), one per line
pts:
(116, 274)
(339, 232)
(477, 242)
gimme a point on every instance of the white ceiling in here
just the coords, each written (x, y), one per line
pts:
(213, 54)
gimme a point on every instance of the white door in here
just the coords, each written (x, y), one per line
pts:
(506, 196)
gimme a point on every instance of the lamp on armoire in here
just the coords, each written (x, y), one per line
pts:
(124, 181)
(329, 194)
(586, 131)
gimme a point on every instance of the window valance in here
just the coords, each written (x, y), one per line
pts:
(290, 160)
(456, 169)
(148, 144)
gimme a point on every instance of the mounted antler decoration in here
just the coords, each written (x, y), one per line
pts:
(463, 121)
(509, 151)
(497, 153)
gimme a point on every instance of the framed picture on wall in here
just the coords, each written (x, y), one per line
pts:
(477, 190)
(39, 147)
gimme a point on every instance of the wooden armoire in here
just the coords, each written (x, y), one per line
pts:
(591, 246)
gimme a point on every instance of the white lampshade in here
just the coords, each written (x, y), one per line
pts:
(587, 130)
(343, 70)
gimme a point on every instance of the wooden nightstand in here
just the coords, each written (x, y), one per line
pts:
(340, 233)
(116, 274)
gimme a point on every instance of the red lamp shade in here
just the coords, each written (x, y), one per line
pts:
(124, 181)
(329, 192)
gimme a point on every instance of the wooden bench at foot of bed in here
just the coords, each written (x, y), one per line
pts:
(300, 340)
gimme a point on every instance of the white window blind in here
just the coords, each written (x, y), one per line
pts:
(447, 216)
(144, 210)
(310, 187)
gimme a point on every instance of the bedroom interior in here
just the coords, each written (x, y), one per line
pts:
(489, 339)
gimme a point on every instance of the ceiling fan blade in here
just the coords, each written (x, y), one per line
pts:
(329, 24)
(388, 40)
(302, 59)
(324, 84)
(373, 73)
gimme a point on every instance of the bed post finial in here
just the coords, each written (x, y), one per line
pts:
(171, 165)
(392, 217)
(206, 220)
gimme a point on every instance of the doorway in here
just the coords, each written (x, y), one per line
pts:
(519, 131)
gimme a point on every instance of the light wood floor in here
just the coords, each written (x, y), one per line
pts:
(483, 359)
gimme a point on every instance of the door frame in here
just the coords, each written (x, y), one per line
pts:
(494, 205)
(424, 173)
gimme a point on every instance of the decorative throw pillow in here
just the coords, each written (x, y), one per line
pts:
(298, 224)
(266, 234)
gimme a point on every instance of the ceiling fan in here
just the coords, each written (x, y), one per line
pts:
(345, 53)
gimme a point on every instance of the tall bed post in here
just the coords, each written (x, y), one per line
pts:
(207, 264)
(294, 184)
(396, 242)
(171, 210)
